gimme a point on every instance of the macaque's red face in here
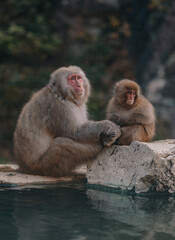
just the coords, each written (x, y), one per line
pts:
(130, 97)
(76, 82)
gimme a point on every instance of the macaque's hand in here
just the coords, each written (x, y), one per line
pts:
(110, 135)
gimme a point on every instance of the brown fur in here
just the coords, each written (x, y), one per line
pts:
(138, 120)
(53, 134)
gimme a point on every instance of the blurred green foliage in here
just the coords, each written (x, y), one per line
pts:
(27, 41)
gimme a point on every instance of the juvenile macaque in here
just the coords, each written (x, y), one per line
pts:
(132, 112)
(53, 134)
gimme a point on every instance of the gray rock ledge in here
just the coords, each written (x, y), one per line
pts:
(10, 177)
(138, 168)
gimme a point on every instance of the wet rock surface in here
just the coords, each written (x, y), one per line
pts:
(138, 168)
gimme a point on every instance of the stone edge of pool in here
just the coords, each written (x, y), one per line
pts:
(10, 177)
(137, 169)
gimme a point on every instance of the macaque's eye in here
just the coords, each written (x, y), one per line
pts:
(132, 92)
(79, 79)
(73, 78)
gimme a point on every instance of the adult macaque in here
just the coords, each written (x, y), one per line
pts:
(53, 134)
(133, 112)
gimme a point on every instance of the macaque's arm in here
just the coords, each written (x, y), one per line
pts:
(96, 131)
(134, 118)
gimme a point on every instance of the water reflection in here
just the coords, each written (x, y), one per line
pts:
(69, 211)
(149, 218)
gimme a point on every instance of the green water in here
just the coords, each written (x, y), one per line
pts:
(70, 211)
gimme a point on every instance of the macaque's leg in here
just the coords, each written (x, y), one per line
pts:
(63, 156)
(132, 133)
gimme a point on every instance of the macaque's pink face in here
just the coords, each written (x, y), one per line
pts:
(76, 82)
(130, 97)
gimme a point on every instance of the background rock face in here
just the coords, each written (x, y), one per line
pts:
(140, 167)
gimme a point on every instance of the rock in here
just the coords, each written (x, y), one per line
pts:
(137, 168)
(10, 177)
(8, 167)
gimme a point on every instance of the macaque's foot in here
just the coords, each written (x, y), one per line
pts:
(110, 136)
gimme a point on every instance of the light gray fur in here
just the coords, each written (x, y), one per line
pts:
(53, 134)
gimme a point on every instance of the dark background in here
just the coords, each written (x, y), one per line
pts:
(108, 39)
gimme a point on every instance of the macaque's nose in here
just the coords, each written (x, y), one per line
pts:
(78, 83)
(131, 96)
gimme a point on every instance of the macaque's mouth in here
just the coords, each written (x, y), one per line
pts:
(130, 102)
(79, 91)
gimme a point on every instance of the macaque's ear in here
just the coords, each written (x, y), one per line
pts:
(116, 87)
(138, 91)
